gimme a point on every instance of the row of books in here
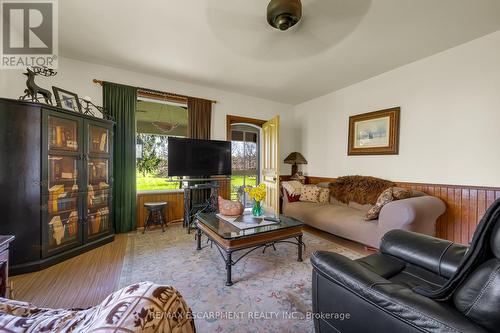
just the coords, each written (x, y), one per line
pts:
(63, 230)
(98, 199)
(99, 195)
(61, 200)
(100, 221)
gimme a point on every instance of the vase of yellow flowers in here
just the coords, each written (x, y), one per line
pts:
(258, 194)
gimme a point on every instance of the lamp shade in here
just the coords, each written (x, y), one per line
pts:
(295, 158)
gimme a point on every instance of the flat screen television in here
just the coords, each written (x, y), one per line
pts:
(191, 157)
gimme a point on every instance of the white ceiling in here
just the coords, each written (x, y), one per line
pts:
(227, 44)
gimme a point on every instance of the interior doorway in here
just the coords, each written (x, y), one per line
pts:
(245, 151)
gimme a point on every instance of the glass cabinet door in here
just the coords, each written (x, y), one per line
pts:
(63, 173)
(62, 201)
(61, 193)
(63, 134)
(98, 139)
(98, 196)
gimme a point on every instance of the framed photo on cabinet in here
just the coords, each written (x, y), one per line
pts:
(374, 133)
(67, 100)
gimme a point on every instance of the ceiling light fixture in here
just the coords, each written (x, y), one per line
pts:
(284, 14)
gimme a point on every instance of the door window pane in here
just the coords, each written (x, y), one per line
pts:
(245, 161)
(237, 136)
(251, 137)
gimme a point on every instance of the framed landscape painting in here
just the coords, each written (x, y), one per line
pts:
(374, 133)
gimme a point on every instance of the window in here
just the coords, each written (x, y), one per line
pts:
(245, 157)
(156, 121)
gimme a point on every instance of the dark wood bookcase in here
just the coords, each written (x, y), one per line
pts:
(56, 178)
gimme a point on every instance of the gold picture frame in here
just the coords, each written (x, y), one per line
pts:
(374, 133)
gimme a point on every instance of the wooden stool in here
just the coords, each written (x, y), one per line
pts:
(155, 212)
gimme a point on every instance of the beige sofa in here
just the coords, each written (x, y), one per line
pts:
(418, 213)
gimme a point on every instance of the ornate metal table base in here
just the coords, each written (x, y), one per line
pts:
(227, 252)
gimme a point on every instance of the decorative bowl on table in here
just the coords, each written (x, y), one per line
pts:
(230, 208)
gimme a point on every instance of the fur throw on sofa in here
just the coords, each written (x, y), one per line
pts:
(361, 189)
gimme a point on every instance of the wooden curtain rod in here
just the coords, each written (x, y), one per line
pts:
(152, 93)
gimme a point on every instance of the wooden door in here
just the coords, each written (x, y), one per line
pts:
(271, 163)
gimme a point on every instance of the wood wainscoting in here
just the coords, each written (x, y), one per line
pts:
(465, 206)
(175, 199)
(175, 205)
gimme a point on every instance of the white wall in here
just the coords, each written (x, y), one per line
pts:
(450, 120)
(77, 76)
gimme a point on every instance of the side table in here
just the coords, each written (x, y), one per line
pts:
(4, 264)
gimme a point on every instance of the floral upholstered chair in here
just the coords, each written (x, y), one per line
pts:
(142, 307)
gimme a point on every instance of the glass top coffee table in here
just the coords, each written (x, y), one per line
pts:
(229, 239)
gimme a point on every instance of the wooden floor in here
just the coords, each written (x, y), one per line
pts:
(86, 280)
(79, 282)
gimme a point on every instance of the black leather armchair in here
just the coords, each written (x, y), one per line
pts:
(377, 293)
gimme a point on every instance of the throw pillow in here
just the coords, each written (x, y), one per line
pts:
(293, 187)
(388, 195)
(292, 198)
(324, 195)
(400, 193)
(310, 193)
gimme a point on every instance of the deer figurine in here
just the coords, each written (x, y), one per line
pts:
(33, 89)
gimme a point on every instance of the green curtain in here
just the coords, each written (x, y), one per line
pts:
(121, 101)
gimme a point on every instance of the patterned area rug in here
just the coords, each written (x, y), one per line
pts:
(271, 291)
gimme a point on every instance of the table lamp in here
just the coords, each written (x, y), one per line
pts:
(295, 159)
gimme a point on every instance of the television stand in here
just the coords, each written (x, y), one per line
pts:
(200, 197)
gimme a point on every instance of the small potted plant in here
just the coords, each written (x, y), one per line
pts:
(258, 194)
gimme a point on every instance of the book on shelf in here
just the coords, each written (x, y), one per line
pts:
(103, 214)
(55, 169)
(66, 175)
(90, 195)
(95, 143)
(99, 221)
(59, 136)
(72, 223)
(102, 144)
(54, 193)
(65, 202)
(56, 190)
(57, 228)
